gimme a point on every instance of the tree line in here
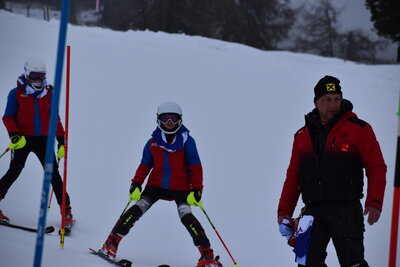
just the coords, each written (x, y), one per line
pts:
(264, 24)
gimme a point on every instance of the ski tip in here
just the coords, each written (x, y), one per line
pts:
(93, 251)
(49, 229)
(164, 265)
(123, 262)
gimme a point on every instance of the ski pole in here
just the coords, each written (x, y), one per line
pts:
(51, 197)
(223, 243)
(52, 190)
(7, 149)
(126, 207)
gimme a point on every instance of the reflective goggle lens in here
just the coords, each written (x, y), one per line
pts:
(37, 76)
(173, 117)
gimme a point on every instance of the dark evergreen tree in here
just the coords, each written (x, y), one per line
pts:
(386, 18)
(258, 23)
(272, 19)
(317, 32)
(357, 46)
(118, 13)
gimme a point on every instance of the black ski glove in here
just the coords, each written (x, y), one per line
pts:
(134, 191)
(60, 140)
(133, 187)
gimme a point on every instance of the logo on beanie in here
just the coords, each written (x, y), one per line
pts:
(330, 87)
(327, 85)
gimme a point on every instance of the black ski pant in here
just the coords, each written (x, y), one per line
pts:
(344, 224)
(37, 145)
(150, 196)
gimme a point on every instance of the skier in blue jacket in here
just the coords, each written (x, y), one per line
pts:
(172, 164)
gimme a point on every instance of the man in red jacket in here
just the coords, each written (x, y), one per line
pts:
(26, 119)
(326, 167)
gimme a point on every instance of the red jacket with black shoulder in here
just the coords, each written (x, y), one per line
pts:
(327, 163)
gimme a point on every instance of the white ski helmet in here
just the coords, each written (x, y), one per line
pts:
(34, 65)
(169, 107)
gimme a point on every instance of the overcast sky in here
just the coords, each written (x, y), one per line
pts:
(355, 15)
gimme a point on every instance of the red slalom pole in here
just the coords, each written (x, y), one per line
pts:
(396, 203)
(64, 195)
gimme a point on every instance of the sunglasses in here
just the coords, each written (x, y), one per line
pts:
(37, 76)
(173, 117)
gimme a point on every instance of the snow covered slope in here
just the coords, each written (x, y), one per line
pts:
(242, 106)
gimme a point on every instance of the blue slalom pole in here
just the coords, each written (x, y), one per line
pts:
(49, 160)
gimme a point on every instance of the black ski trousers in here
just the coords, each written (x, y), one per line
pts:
(37, 145)
(344, 224)
(150, 196)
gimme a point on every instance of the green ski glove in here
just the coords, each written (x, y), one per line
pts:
(135, 191)
(61, 152)
(17, 142)
(194, 197)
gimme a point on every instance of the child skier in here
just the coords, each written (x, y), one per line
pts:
(173, 162)
(26, 119)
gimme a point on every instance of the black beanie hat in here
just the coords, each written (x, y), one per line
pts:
(327, 85)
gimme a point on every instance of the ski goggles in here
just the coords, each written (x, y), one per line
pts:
(37, 76)
(173, 117)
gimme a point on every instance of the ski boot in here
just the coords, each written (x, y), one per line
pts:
(4, 218)
(207, 258)
(69, 220)
(110, 247)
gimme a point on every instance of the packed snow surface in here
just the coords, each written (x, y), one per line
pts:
(242, 105)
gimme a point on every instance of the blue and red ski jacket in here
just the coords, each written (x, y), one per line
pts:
(173, 166)
(28, 111)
